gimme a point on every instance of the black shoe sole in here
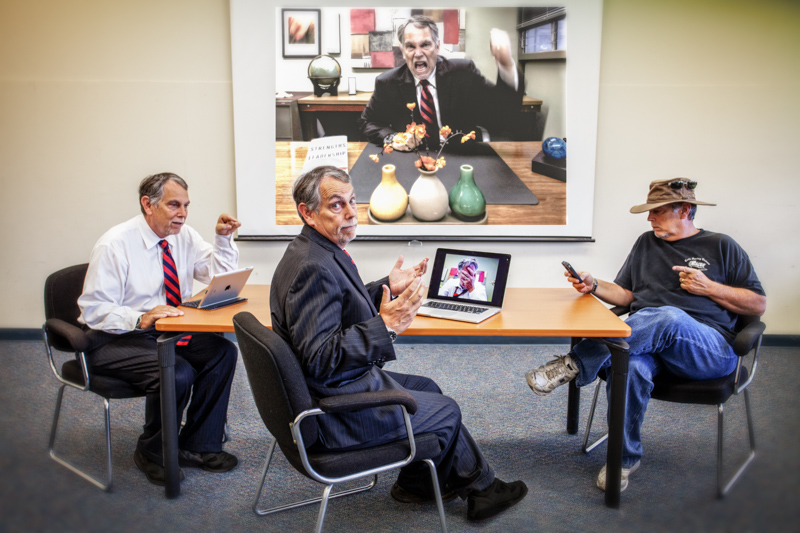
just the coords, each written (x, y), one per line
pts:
(404, 496)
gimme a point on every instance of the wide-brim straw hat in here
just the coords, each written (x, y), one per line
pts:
(662, 193)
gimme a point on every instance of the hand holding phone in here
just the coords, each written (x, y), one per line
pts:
(572, 271)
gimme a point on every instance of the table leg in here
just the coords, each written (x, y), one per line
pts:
(616, 419)
(573, 400)
(169, 415)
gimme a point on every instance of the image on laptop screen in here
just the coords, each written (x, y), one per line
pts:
(468, 277)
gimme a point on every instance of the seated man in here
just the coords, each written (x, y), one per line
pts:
(447, 92)
(465, 285)
(342, 332)
(139, 271)
(685, 287)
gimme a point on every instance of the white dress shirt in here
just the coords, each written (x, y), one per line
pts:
(452, 288)
(126, 278)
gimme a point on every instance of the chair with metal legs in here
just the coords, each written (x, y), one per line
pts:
(716, 392)
(284, 403)
(63, 333)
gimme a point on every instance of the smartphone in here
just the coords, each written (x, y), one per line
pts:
(572, 271)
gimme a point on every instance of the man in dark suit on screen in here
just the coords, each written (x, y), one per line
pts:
(342, 333)
(461, 97)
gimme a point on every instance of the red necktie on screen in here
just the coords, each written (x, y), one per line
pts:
(428, 111)
(172, 285)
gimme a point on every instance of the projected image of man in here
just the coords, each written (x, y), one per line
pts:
(466, 284)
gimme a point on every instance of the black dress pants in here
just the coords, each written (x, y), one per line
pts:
(203, 372)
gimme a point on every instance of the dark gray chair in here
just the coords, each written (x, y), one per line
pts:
(716, 392)
(63, 333)
(285, 405)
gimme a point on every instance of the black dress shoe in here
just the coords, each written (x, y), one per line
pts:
(495, 499)
(154, 471)
(405, 496)
(210, 462)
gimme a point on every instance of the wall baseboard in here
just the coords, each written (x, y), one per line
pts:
(29, 334)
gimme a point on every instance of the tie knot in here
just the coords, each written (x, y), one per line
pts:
(424, 83)
(163, 244)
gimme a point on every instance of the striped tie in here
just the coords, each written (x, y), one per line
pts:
(428, 111)
(172, 285)
(351, 259)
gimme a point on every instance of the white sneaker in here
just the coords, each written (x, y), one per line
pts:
(623, 484)
(550, 375)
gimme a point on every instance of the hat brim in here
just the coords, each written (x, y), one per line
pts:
(647, 207)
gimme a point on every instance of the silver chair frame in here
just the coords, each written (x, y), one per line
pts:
(330, 482)
(103, 485)
(722, 487)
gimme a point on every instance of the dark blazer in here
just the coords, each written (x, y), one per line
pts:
(466, 99)
(323, 310)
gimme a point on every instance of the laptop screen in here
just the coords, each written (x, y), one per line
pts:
(464, 275)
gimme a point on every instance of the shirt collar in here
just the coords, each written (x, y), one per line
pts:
(431, 79)
(149, 236)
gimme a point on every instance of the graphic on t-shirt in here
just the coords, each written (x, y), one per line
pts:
(697, 263)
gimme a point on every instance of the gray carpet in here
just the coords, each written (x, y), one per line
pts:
(522, 435)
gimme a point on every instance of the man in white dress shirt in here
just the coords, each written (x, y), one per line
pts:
(465, 285)
(125, 293)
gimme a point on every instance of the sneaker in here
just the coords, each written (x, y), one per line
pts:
(210, 462)
(406, 496)
(154, 471)
(623, 484)
(494, 499)
(550, 375)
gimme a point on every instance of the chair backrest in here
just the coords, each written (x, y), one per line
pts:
(277, 381)
(61, 292)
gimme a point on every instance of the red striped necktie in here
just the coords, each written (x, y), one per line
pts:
(172, 285)
(351, 259)
(428, 111)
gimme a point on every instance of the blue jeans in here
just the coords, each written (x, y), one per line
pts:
(662, 339)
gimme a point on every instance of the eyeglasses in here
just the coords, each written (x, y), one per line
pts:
(689, 184)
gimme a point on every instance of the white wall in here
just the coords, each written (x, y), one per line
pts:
(94, 95)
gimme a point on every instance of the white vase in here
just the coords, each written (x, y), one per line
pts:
(428, 197)
(389, 199)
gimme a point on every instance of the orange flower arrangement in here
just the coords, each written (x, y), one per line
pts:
(415, 133)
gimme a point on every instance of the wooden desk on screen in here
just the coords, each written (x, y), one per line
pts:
(552, 193)
(309, 106)
(526, 313)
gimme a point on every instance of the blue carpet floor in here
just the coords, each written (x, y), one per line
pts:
(522, 435)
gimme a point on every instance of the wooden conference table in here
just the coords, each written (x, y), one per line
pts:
(526, 313)
(552, 193)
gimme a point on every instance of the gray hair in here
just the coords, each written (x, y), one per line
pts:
(692, 209)
(468, 261)
(421, 22)
(306, 187)
(153, 187)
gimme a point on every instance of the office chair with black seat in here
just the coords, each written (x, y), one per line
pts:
(63, 333)
(287, 409)
(666, 387)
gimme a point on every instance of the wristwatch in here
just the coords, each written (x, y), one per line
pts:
(138, 323)
(594, 286)
(389, 138)
(392, 333)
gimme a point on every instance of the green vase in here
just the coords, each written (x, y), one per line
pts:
(466, 199)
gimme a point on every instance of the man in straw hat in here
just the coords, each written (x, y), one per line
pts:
(685, 287)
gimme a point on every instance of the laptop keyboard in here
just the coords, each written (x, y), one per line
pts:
(191, 303)
(455, 307)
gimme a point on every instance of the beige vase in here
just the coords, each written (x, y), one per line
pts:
(389, 199)
(428, 197)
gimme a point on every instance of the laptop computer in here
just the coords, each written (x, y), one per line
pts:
(466, 285)
(223, 290)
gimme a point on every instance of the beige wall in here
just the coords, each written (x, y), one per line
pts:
(95, 94)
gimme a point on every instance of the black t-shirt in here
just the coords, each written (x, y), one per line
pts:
(648, 273)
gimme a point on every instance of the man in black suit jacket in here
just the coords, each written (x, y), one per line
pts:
(342, 333)
(462, 96)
